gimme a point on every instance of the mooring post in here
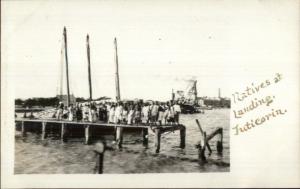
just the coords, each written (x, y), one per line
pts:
(63, 131)
(220, 142)
(182, 137)
(145, 137)
(43, 130)
(157, 139)
(99, 149)
(222, 135)
(201, 149)
(86, 134)
(202, 133)
(199, 126)
(119, 136)
(23, 129)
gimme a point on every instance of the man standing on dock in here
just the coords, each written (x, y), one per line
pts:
(60, 110)
(71, 113)
(154, 112)
(177, 111)
(79, 112)
(161, 112)
(118, 112)
(145, 113)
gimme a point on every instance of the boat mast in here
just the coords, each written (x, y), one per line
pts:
(89, 65)
(118, 96)
(195, 90)
(173, 95)
(67, 70)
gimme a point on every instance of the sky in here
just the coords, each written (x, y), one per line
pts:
(161, 45)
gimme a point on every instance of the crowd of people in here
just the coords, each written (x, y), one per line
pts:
(122, 112)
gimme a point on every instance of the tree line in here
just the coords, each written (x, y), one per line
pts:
(51, 101)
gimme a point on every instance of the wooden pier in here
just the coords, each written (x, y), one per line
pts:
(117, 128)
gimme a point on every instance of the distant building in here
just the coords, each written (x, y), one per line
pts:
(200, 101)
(64, 99)
(225, 102)
(214, 102)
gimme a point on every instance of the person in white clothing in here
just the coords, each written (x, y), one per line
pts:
(177, 111)
(90, 114)
(85, 112)
(170, 114)
(111, 115)
(108, 106)
(125, 114)
(65, 113)
(145, 113)
(118, 113)
(60, 110)
(161, 112)
(71, 113)
(93, 110)
(130, 115)
(154, 112)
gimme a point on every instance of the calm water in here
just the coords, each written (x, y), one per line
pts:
(33, 156)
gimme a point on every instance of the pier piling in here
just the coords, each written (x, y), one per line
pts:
(119, 136)
(220, 142)
(145, 137)
(201, 150)
(157, 139)
(23, 129)
(99, 150)
(182, 137)
(87, 134)
(63, 131)
(43, 130)
(199, 126)
(219, 132)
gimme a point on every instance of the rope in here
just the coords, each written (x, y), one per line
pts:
(60, 83)
(62, 77)
(61, 67)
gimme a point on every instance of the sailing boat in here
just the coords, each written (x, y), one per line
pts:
(70, 99)
(65, 99)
